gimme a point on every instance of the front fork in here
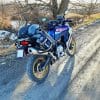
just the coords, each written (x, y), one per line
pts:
(47, 62)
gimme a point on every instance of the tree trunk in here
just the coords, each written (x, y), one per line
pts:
(54, 8)
(62, 7)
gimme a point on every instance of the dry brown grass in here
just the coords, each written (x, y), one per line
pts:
(87, 20)
(72, 15)
(97, 16)
(5, 23)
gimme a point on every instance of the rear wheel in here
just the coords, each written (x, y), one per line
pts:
(71, 47)
(36, 70)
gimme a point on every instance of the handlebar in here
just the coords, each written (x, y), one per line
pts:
(56, 22)
(68, 20)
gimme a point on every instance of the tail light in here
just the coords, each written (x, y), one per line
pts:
(24, 43)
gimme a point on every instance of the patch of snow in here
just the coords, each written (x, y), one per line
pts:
(3, 63)
(17, 24)
(81, 28)
(4, 46)
(3, 34)
(13, 37)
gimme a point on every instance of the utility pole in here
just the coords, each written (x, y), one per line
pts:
(2, 10)
(26, 1)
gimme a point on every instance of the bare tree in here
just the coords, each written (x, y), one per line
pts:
(86, 8)
(3, 8)
(57, 7)
(91, 7)
(52, 5)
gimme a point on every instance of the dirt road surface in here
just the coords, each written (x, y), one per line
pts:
(71, 78)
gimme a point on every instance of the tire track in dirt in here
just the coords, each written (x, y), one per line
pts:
(86, 53)
(83, 87)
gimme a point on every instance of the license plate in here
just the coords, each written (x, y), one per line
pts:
(20, 53)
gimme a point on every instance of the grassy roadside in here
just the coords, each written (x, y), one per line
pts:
(6, 51)
(87, 21)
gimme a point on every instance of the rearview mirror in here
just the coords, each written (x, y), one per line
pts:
(44, 19)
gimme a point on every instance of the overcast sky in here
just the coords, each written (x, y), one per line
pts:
(5, 1)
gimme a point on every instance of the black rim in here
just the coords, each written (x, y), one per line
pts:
(38, 70)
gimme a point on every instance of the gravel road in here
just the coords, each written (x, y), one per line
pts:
(71, 78)
(86, 85)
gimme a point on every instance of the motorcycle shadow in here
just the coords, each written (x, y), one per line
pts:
(51, 90)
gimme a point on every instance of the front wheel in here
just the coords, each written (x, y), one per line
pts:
(71, 47)
(36, 70)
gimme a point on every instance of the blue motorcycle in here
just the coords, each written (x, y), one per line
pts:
(44, 47)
